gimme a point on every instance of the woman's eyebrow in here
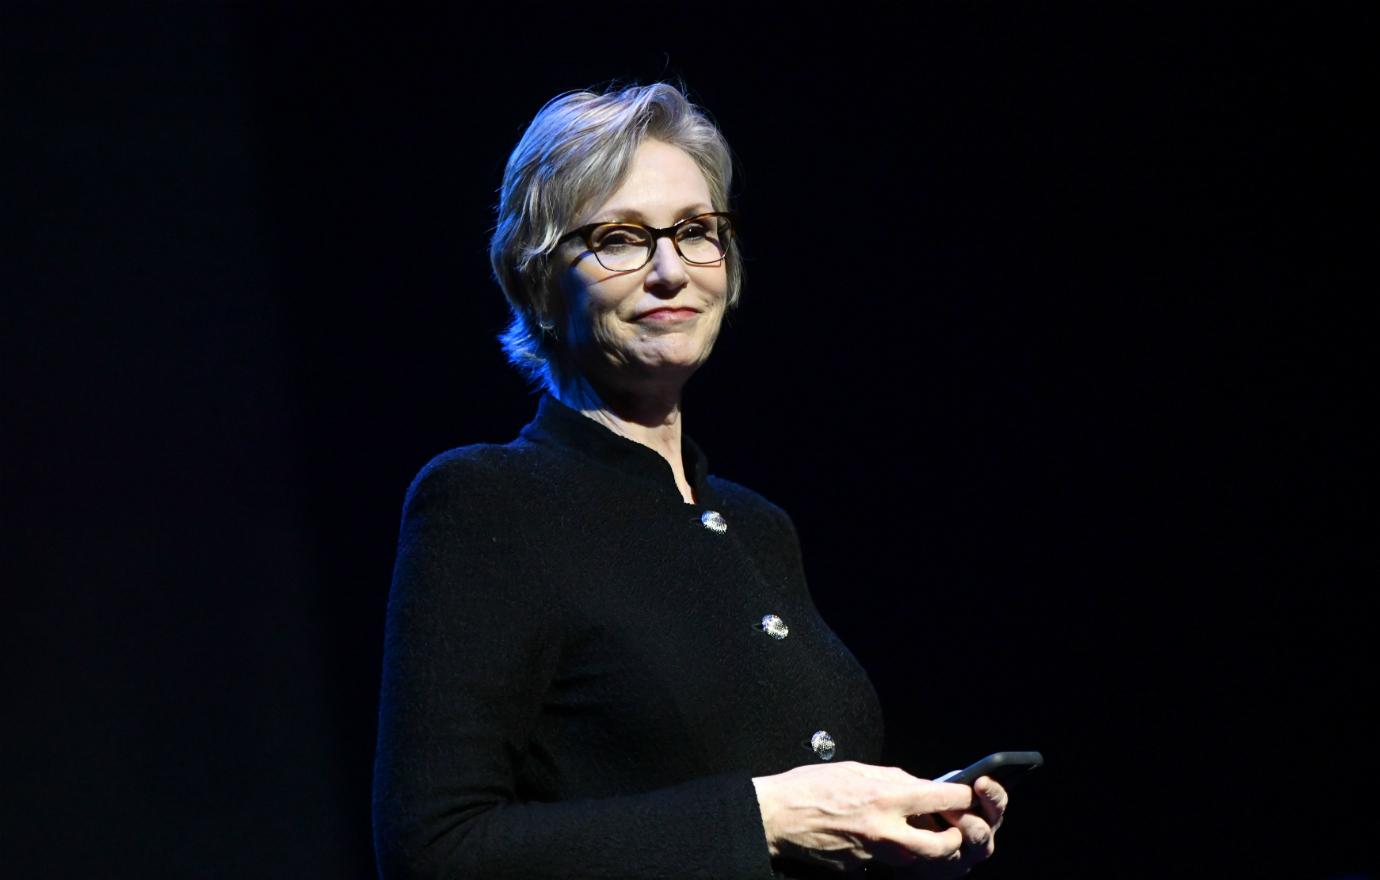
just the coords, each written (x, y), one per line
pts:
(615, 214)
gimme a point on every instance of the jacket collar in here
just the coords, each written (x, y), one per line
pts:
(559, 425)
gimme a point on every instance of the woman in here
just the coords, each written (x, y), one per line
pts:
(601, 661)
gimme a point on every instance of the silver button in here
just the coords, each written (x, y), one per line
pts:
(823, 744)
(775, 627)
(714, 521)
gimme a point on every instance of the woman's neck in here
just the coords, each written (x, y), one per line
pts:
(653, 420)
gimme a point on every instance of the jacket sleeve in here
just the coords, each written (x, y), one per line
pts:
(470, 646)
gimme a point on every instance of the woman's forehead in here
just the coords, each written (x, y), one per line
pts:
(652, 218)
(663, 184)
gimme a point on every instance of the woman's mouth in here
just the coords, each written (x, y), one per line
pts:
(667, 315)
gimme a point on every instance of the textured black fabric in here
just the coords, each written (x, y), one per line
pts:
(576, 682)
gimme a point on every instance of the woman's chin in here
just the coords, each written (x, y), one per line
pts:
(685, 356)
(654, 373)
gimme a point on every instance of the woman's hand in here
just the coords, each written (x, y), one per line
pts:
(979, 828)
(848, 814)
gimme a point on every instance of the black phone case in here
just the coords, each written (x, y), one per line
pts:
(1004, 767)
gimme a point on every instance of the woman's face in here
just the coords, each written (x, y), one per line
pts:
(655, 324)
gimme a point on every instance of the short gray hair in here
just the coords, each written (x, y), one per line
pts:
(576, 152)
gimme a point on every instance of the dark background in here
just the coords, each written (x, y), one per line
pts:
(1054, 344)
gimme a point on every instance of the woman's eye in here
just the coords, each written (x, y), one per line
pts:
(620, 238)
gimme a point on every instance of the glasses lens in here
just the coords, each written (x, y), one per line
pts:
(703, 239)
(620, 248)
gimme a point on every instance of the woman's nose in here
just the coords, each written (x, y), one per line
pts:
(667, 268)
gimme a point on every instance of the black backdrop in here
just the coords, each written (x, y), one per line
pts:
(1069, 413)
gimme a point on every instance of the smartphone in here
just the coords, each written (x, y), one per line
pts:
(1001, 766)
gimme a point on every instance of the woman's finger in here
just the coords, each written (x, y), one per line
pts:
(978, 837)
(992, 799)
(929, 845)
(923, 797)
(879, 771)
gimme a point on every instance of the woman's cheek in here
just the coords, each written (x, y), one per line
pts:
(608, 338)
(712, 331)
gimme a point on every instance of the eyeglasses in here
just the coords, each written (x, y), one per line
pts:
(626, 247)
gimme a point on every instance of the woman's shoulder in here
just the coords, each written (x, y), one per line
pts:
(473, 460)
(480, 470)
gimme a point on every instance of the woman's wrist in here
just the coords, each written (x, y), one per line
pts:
(766, 802)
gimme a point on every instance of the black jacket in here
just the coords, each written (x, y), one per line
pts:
(577, 681)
